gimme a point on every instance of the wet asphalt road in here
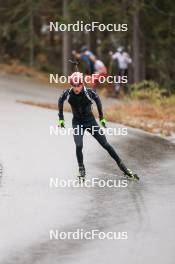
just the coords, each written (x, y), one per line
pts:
(30, 209)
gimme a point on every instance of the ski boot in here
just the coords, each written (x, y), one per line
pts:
(82, 174)
(127, 172)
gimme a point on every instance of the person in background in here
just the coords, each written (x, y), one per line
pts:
(99, 66)
(87, 57)
(123, 60)
(99, 70)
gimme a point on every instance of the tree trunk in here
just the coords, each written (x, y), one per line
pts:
(136, 43)
(31, 56)
(65, 49)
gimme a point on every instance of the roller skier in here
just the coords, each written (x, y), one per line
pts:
(80, 99)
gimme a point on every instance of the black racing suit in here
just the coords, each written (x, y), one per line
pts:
(83, 119)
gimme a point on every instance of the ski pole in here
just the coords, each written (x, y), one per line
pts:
(75, 63)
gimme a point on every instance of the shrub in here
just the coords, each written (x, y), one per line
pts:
(146, 90)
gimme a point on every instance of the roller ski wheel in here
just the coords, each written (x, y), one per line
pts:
(131, 176)
(81, 179)
(82, 174)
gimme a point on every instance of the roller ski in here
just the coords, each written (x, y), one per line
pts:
(130, 175)
(82, 174)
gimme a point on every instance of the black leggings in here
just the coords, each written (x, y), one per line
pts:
(93, 128)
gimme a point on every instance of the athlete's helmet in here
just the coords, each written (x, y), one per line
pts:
(76, 79)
